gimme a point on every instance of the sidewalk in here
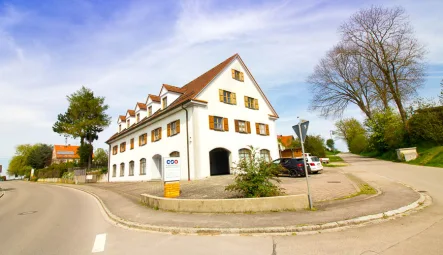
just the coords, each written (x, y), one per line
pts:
(393, 196)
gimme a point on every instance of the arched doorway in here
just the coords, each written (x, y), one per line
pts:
(219, 161)
(157, 171)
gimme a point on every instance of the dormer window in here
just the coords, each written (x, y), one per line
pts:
(164, 102)
(119, 127)
(149, 110)
(138, 117)
(127, 124)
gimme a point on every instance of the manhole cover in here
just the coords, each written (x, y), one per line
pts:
(26, 213)
(422, 191)
(334, 181)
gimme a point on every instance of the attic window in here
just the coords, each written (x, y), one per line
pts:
(164, 102)
(149, 110)
(127, 124)
(237, 75)
(138, 117)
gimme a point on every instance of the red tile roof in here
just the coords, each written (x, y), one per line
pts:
(122, 118)
(142, 106)
(131, 112)
(286, 140)
(188, 91)
(174, 88)
(66, 151)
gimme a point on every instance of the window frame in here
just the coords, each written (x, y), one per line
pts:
(127, 123)
(131, 144)
(143, 166)
(173, 128)
(174, 153)
(115, 150)
(246, 154)
(267, 154)
(122, 169)
(122, 147)
(245, 127)
(221, 123)
(227, 97)
(131, 168)
(260, 125)
(143, 139)
(137, 118)
(149, 110)
(164, 102)
(114, 170)
(157, 135)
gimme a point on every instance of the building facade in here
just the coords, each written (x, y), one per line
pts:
(287, 150)
(209, 123)
(64, 154)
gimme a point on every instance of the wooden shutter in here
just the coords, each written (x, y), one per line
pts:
(248, 127)
(211, 122)
(169, 129)
(233, 98)
(237, 129)
(242, 77)
(152, 136)
(233, 73)
(140, 140)
(177, 126)
(220, 95)
(246, 101)
(257, 128)
(267, 129)
(256, 104)
(145, 138)
(225, 124)
(159, 133)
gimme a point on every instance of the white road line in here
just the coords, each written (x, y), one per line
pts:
(99, 244)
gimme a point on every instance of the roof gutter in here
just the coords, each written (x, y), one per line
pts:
(187, 142)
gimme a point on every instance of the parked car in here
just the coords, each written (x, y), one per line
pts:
(292, 166)
(313, 162)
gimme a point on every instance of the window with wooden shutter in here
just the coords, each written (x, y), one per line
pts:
(236, 126)
(177, 123)
(159, 133)
(248, 127)
(132, 144)
(225, 124)
(211, 122)
(152, 136)
(267, 129)
(168, 130)
(242, 77)
(257, 128)
(237, 75)
(143, 139)
(233, 98)
(246, 101)
(256, 104)
(233, 73)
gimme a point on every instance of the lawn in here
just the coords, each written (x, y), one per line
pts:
(333, 156)
(429, 157)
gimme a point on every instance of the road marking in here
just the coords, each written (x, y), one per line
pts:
(99, 244)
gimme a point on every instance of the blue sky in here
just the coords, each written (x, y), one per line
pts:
(124, 50)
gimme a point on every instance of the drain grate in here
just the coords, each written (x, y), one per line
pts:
(28, 212)
(334, 181)
(422, 191)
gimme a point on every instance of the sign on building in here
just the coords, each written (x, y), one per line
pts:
(171, 177)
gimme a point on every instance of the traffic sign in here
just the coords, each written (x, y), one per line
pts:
(304, 129)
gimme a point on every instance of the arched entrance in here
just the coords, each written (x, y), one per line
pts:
(219, 161)
(157, 169)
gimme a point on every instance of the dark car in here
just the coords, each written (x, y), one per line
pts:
(292, 166)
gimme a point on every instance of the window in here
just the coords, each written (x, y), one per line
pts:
(227, 97)
(251, 103)
(237, 75)
(261, 129)
(127, 123)
(114, 170)
(131, 168)
(114, 150)
(266, 155)
(143, 139)
(119, 127)
(174, 154)
(174, 128)
(218, 123)
(156, 134)
(149, 110)
(142, 166)
(123, 147)
(138, 117)
(122, 169)
(132, 144)
(244, 154)
(164, 102)
(242, 126)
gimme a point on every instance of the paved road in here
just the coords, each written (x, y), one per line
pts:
(44, 219)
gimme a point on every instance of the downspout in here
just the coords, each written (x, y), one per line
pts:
(109, 161)
(187, 142)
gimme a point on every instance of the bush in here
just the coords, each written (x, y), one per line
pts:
(358, 144)
(426, 125)
(54, 170)
(314, 144)
(255, 178)
(33, 178)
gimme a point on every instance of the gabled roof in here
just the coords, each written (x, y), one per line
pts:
(131, 112)
(122, 117)
(286, 140)
(142, 106)
(154, 98)
(173, 88)
(189, 92)
(66, 151)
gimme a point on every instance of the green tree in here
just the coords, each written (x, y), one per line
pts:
(348, 129)
(440, 97)
(358, 144)
(426, 125)
(101, 157)
(40, 156)
(85, 118)
(18, 165)
(314, 144)
(331, 144)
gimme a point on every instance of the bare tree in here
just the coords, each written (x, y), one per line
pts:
(386, 40)
(339, 79)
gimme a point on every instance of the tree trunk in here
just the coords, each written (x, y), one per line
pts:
(90, 157)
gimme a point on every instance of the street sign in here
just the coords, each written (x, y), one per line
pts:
(304, 129)
(171, 169)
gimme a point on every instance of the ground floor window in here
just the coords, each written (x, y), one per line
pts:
(244, 154)
(114, 170)
(131, 168)
(266, 155)
(174, 154)
(142, 166)
(122, 169)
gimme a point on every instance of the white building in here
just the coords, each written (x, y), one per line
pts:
(209, 123)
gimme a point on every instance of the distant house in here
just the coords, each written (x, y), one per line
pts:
(286, 149)
(65, 153)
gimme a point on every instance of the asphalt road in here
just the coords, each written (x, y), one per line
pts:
(47, 219)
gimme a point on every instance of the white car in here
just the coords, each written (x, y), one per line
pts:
(313, 162)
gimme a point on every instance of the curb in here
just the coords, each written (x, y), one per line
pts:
(424, 201)
(2, 193)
